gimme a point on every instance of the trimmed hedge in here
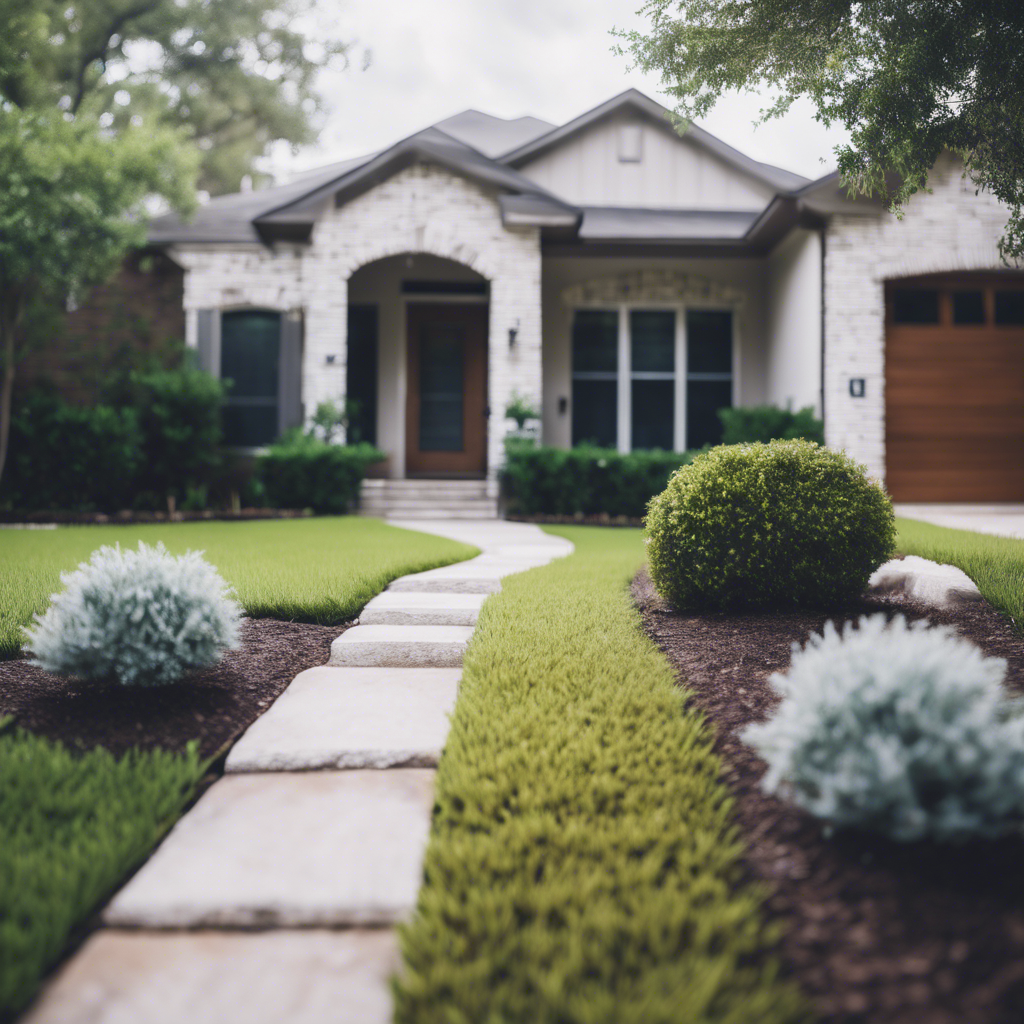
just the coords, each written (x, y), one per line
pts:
(583, 866)
(787, 523)
(543, 480)
(300, 471)
(74, 825)
(770, 423)
(61, 456)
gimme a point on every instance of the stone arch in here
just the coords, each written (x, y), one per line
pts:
(441, 243)
(939, 261)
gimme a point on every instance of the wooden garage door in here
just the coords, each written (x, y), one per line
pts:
(954, 388)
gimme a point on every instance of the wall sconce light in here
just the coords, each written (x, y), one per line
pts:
(563, 405)
(858, 387)
(513, 333)
(330, 359)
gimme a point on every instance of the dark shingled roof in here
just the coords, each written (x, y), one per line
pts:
(468, 144)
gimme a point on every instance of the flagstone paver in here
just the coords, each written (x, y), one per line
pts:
(280, 843)
(422, 609)
(401, 646)
(273, 977)
(352, 718)
(288, 849)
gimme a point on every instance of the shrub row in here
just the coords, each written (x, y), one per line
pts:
(302, 471)
(583, 865)
(585, 480)
(73, 826)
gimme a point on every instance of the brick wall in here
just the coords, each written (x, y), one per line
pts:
(419, 209)
(948, 229)
(138, 311)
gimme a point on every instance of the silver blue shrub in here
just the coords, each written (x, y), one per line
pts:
(144, 618)
(899, 729)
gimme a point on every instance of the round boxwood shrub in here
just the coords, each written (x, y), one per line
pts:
(142, 618)
(897, 729)
(767, 525)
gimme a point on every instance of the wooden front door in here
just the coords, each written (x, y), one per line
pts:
(446, 406)
(954, 388)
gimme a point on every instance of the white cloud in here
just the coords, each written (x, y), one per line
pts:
(549, 58)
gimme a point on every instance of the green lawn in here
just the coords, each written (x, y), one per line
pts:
(73, 825)
(308, 570)
(583, 865)
(996, 564)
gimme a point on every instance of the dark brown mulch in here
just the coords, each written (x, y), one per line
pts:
(130, 518)
(876, 933)
(214, 706)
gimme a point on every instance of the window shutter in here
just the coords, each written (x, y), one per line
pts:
(289, 395)
(208, 337)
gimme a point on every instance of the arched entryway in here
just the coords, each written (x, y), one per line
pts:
(417, 363)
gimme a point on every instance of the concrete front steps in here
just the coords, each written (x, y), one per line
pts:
(427, 499)
(274, 898)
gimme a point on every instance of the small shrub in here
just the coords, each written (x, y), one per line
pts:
(300, 471)
(61, 456)
(520, 409)
(542, 480)
(898, 729)
(767, 525)
(144, 618)
(770, 423)
(179, 412)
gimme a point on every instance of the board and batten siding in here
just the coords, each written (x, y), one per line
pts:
(671, 172)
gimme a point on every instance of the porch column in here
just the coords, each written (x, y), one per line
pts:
(325, 347)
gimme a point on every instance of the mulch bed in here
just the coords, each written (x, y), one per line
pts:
(129, 517)
(214, 706)
(875, 932)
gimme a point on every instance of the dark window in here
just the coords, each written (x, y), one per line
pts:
(915, 306)
(652, 335)
(708, 374)
(969, 307)
(442, 383)
(1010, 308)
(595, 375)
(361, 373)
(250, 346)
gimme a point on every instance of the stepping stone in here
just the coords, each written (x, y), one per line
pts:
(422, 609)
(401, 646)
(352, 718)
(283, 977)
(464, 578)
(311, 849)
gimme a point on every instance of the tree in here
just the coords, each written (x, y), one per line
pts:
(908, 78)
(233, 75)
(72, 202)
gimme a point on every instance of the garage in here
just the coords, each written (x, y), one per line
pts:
(954, 388)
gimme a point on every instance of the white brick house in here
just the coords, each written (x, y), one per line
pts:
(627, 282)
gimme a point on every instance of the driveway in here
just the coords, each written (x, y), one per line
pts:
(1003, 520)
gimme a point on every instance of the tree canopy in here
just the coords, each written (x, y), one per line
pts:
(232, 75)
(908, 79)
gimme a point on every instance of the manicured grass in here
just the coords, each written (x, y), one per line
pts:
(583, 866)
(307, 570)
(72, 826)
(996, 564)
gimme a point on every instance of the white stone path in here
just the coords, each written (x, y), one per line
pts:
(272, 901)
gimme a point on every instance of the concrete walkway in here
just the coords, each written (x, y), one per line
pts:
(1002, 520)
(273, 900)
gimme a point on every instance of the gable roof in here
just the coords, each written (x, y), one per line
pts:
(635, 102)
(289, 211)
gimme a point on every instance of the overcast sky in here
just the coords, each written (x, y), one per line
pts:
(548, 58)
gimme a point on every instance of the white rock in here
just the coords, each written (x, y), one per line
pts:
(352, 718)
(923, 580)
(401, 646)
(282, 977)
(288, 849)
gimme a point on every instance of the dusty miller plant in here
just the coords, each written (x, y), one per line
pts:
(144, 618)
(899, 729)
